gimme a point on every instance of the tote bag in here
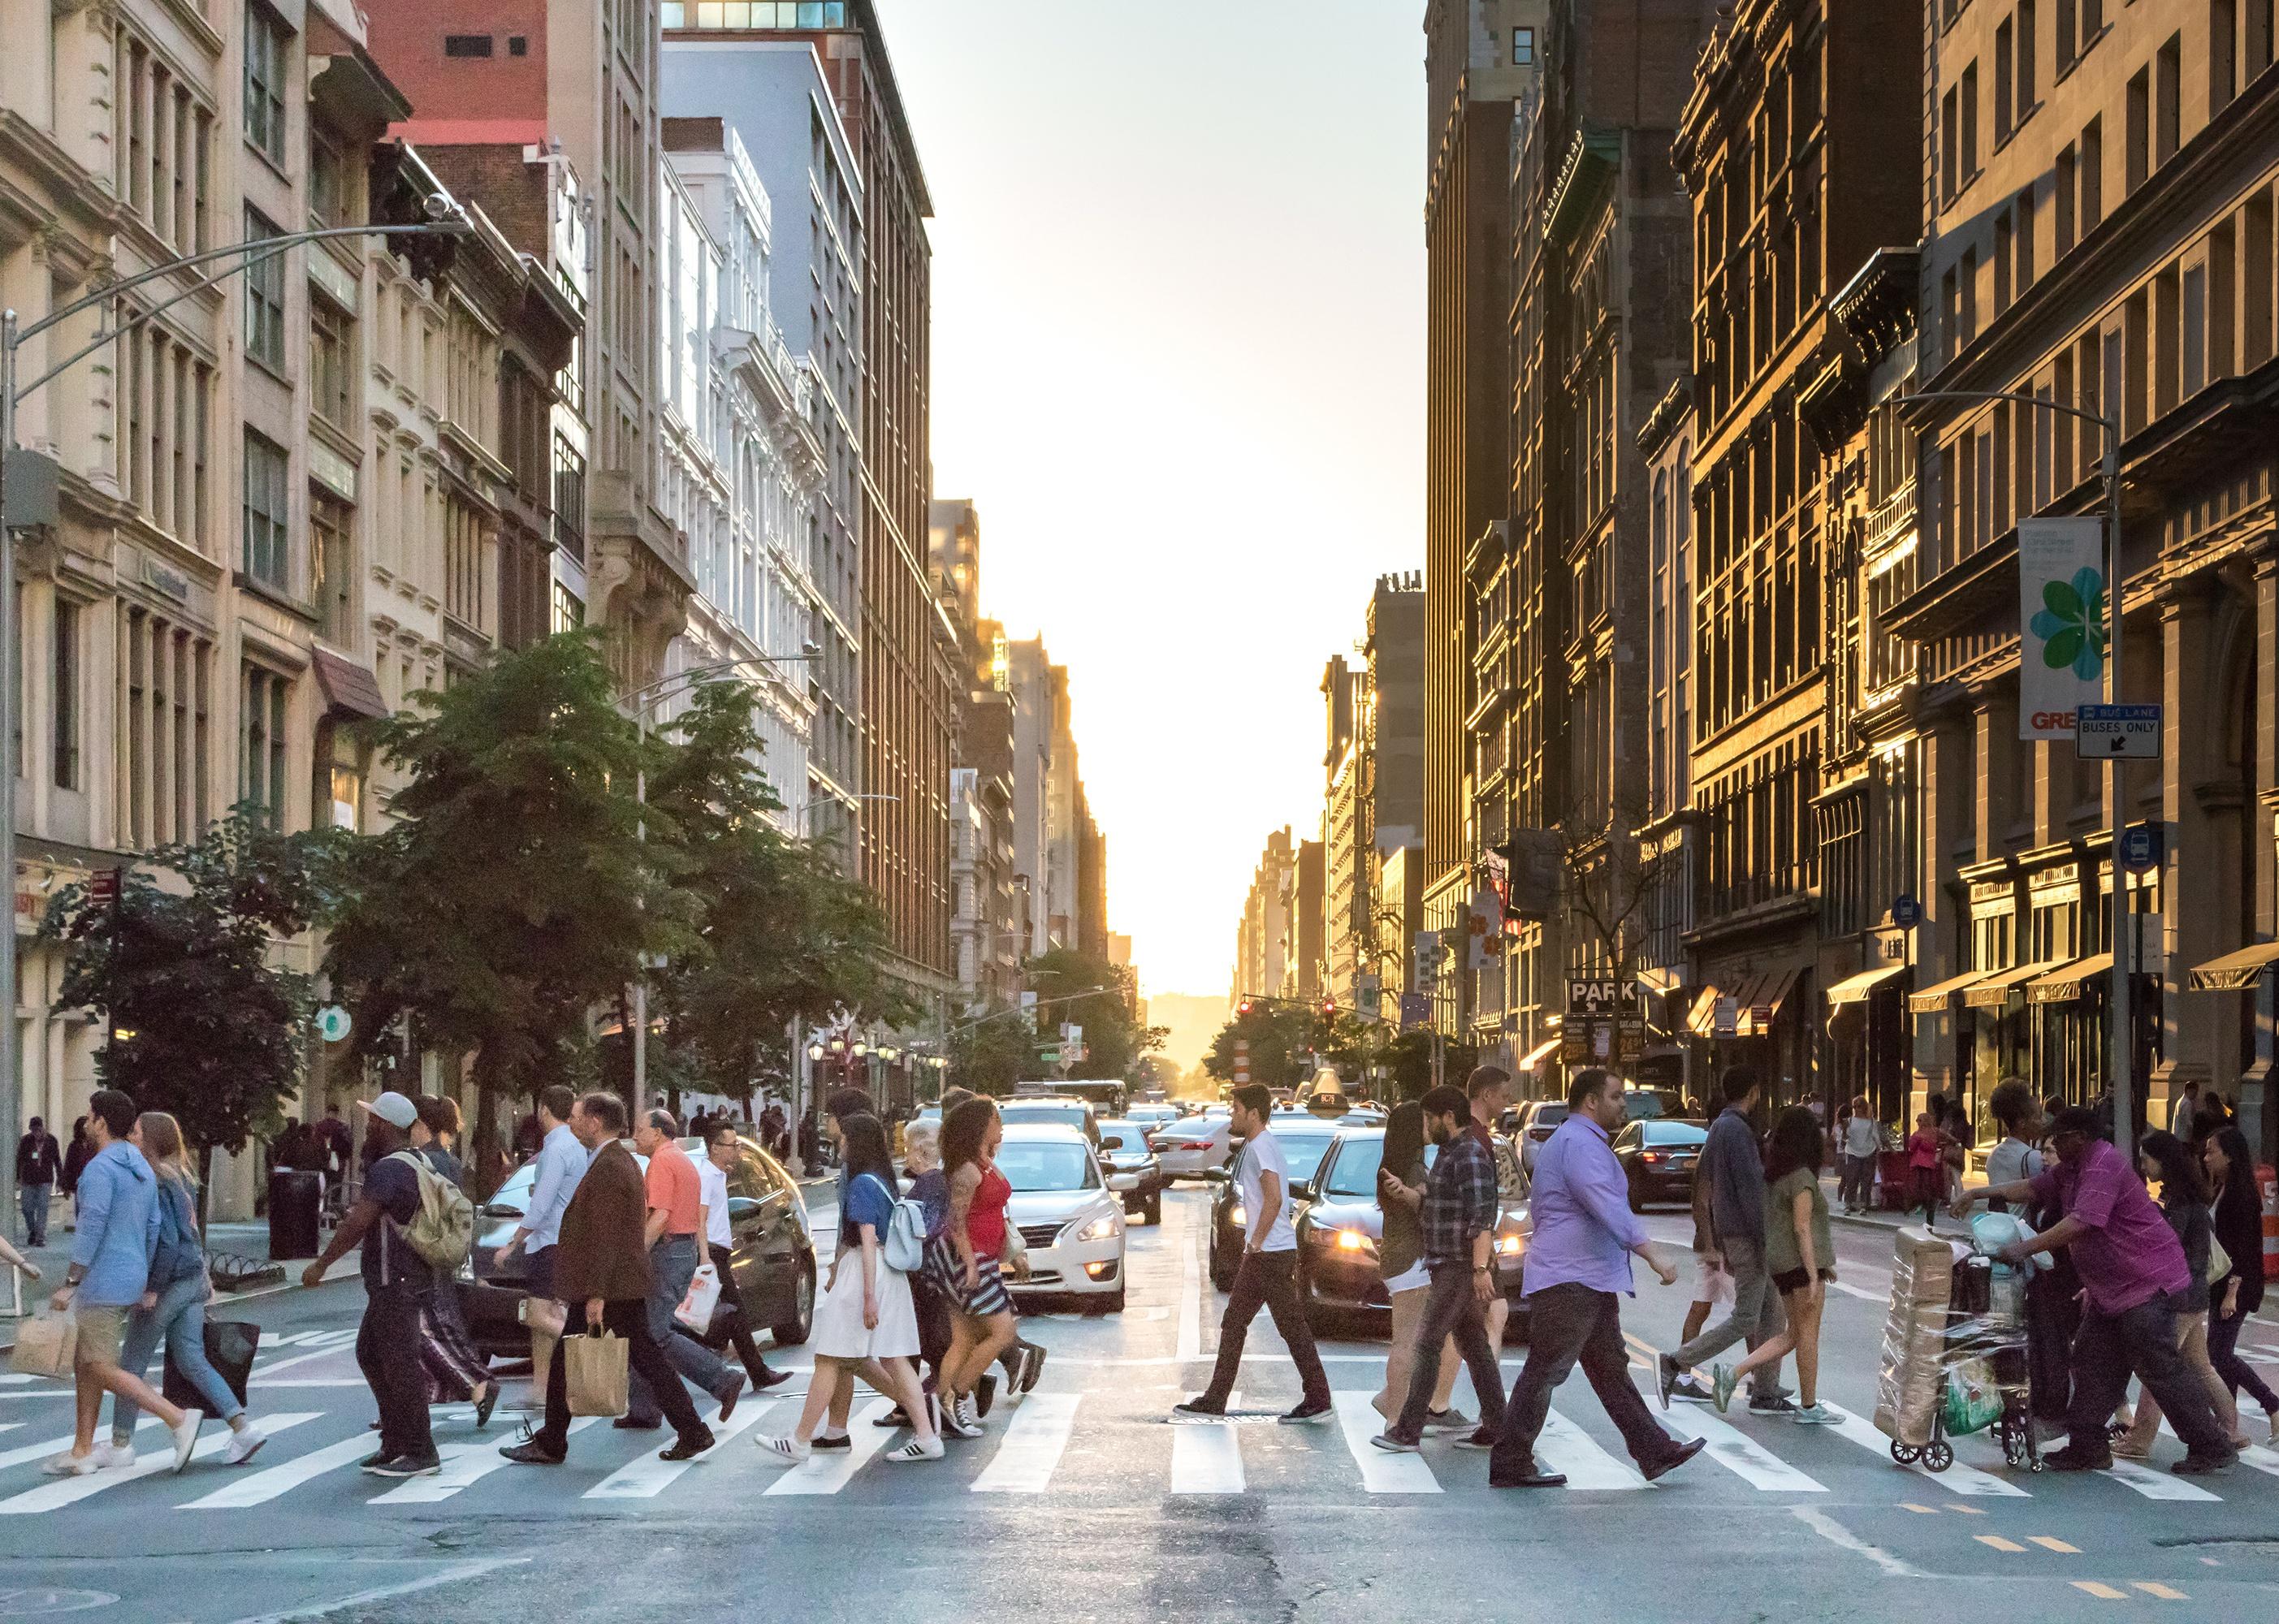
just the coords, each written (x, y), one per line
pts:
(596, 1373)
(46, 1345)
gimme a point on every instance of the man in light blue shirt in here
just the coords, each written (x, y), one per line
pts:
(1577, 1272)
(561, 1162)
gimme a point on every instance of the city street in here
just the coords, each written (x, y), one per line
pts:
(1083, 1504)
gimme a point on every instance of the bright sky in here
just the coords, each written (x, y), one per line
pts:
(1178, 363)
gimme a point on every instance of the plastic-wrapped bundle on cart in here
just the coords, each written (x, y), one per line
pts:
(1907, 1386)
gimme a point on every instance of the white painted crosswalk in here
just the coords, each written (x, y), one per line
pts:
(1083, 1446)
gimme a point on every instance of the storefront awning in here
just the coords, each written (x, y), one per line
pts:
(1540, 1053)
(1933, 999)
(1856, 989)
(1995, 990)
(1761, 1007)
(1702, 1020)
(2236, 972)
(2063, 986)
(1658, 981)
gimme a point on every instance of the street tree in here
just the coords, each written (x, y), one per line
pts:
(990, 1054)
(202, 1021)
(778, 934)
(511, 896)
(1281, 1035)
(1076, 988)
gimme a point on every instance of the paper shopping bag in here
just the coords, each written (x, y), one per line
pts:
(704, 1295)
(46, 1345)
(596, 1373)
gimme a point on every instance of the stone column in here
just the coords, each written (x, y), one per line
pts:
(2192, 903)
(2257, 1120)
(1942, 800)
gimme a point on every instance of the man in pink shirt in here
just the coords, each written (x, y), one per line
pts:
(676, 1225)
(2132, 1267)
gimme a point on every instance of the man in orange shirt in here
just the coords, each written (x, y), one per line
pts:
(675, 1235)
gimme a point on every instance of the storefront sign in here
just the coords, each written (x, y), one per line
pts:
(1728, 1017)
(2060, 623)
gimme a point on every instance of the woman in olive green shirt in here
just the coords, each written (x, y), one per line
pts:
(1801, 1259)
(1401, 1180)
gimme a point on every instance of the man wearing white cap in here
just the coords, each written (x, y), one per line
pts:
(395, 1280)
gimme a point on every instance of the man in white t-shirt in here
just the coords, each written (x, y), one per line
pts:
(1268, 1274)
(721, 1149)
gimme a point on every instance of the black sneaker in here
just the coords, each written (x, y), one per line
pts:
(2203, 1465)
(841, 1442)
(895, 1417)
(1530, 1476)
(688, 1448)
(1480, 1438)
(1199, 1409)
(530, 1451)
(370, 1461)
(1304, 1413)
(1033, 1366)
(1665, 1377)
(407, 1466)
(1778, 1404)
(1690, 1389)
(984, 1392)
(2073, 1460)
(633, 1423)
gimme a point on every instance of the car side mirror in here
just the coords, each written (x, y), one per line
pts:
(1303, 1190)
(1125, 1181)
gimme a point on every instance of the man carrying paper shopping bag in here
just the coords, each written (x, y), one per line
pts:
(601, 1271)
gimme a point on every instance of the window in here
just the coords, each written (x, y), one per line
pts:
(2025, 88)
(467, 45)
(267, 513)
(2139, 132)
(261, 742)
(344, 777)
(2168, 99)
(330, 373)
(517, 45)
(2092, 175)
(67, 698)
(1522, 47)
(2005, 68)
(163, 740)
(2023, 277)
(328, 183)
(1969, 122)
(2061, 197)
(2003, 249)
(332, 580)
(264, 297)
(1950, 146)
(265, 57)
(569, 500)
(2223, 54)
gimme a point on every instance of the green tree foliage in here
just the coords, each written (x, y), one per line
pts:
(203, 1023)
(511, 896)
(1280, 1036)
(991, 1054)
(780, 934)
(1063, 981)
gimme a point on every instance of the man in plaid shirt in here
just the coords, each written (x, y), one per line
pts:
(1458, 1219)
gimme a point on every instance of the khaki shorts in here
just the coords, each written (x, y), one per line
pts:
(101, 1331)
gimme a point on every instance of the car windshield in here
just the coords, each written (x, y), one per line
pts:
(1547, 1117)
(1134, 1135)
(1033, 1167)
(1638, 1103)
(1673, 1133)
(509, 1199)
(1355, 1171)
(1065, 1116)
(1303, 1151)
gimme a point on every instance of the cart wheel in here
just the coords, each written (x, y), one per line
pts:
(2037, 1466)
(1939, 1456)
(1906, 1454)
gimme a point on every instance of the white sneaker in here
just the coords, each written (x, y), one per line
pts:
(917, 1449)
(1812, 1415)
(186, 1437)
(964, 1419)
(785, 1452)
(244, 1443)
(113, 1457)
(68, 1464)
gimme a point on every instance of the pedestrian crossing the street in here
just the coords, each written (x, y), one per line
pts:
(1102, 1443)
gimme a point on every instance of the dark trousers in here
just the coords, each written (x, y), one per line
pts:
(2224, 1354)
(2143, 1339)
(739, 1323)
(1565, 1323)
(1451, 1308)
(1267, 1280)
(388, 1352)
(448, 1357)
(934, 1324)
(627, 1317)
(2052, 1316)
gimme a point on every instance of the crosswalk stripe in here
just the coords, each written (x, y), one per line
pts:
(645, 1476)
(23, 1453)
(70, 1490)
(1031, 1447)
(2253, 1455)
(1563, 1446)
(2156, 1485)
(259, 1488)
(1207, 1459)
(1380, 1473)
(1966, 1480)
(828, 1472)
(464, 1464)
(1741, 1454)
(10, 1425)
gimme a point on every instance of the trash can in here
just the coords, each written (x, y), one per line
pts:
(296, 1199)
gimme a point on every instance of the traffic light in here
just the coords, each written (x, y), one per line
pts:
(1242, 1009)
(1329, 1008)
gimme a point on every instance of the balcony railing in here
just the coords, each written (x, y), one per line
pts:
(1893, 521)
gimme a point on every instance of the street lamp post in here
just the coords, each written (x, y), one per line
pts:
(643, 701)
(446, 218)
(2121, 1053)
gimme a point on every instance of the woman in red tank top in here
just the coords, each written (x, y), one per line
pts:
(984, 1326)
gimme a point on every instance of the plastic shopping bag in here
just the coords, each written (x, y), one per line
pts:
(46, 1345)
(702, 1295)
(596, 1373)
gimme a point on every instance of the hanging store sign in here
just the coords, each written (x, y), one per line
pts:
(2061, 623)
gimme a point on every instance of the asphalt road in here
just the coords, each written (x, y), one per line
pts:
(1084, 1504)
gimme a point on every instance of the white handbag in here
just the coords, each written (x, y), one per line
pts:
(703, 1296)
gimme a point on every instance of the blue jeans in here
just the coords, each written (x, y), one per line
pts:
(33, 1199)
(672, 1264)
(180, 1317)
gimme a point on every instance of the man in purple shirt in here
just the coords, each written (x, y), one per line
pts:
(1579, 1270)
(2133, 1270)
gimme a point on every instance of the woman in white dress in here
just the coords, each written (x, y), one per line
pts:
(867, 1324)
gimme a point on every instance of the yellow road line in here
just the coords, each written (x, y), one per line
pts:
(1968, 1510)
(1998, 1542)
(2102, 1592)
(2047, 1544)
(2161, 1590)
(1921, 1510)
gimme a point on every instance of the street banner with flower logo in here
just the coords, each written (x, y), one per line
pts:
(2061, 623)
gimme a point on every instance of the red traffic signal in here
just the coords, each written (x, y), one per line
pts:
(1330, 1006)
(1242, 1009)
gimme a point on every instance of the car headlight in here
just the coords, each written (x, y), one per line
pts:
(1510, 1244)
(1103, 1228)
(1352, 1240)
